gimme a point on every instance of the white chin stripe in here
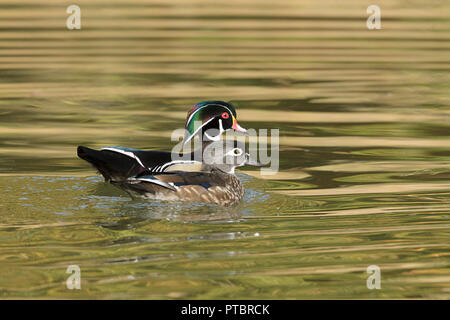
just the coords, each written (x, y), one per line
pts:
(216, 138)
(221, 127)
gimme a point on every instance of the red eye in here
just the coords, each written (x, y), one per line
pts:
(225, 115)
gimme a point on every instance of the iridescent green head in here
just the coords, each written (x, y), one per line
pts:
(211, 119)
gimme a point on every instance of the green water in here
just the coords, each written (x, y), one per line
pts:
(364, 148)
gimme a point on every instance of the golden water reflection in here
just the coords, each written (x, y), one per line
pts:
(364, 148)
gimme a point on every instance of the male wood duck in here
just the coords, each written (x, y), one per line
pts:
(212, 118)
(206, 119)
(215, 182)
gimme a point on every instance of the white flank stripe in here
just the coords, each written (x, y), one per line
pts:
(158, 182)
(168, 164)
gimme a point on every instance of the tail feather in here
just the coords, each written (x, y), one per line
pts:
(112, 165)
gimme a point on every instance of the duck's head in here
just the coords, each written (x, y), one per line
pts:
(227, 155)
(211, 118)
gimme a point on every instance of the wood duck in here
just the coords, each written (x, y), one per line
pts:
(206, 119)
(211, 118)
(215, 181)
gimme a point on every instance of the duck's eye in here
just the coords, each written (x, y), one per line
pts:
(237, 151)
(225, 115)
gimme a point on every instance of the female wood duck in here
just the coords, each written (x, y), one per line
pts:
(207, 119)
(215, 182)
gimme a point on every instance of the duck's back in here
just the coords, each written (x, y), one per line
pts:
(119, 164)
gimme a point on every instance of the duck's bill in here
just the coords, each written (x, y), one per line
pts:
(237, 127)
(252, 162)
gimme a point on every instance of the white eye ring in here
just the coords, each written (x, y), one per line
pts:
(236, 152)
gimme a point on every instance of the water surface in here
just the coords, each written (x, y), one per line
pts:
(364, 148)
